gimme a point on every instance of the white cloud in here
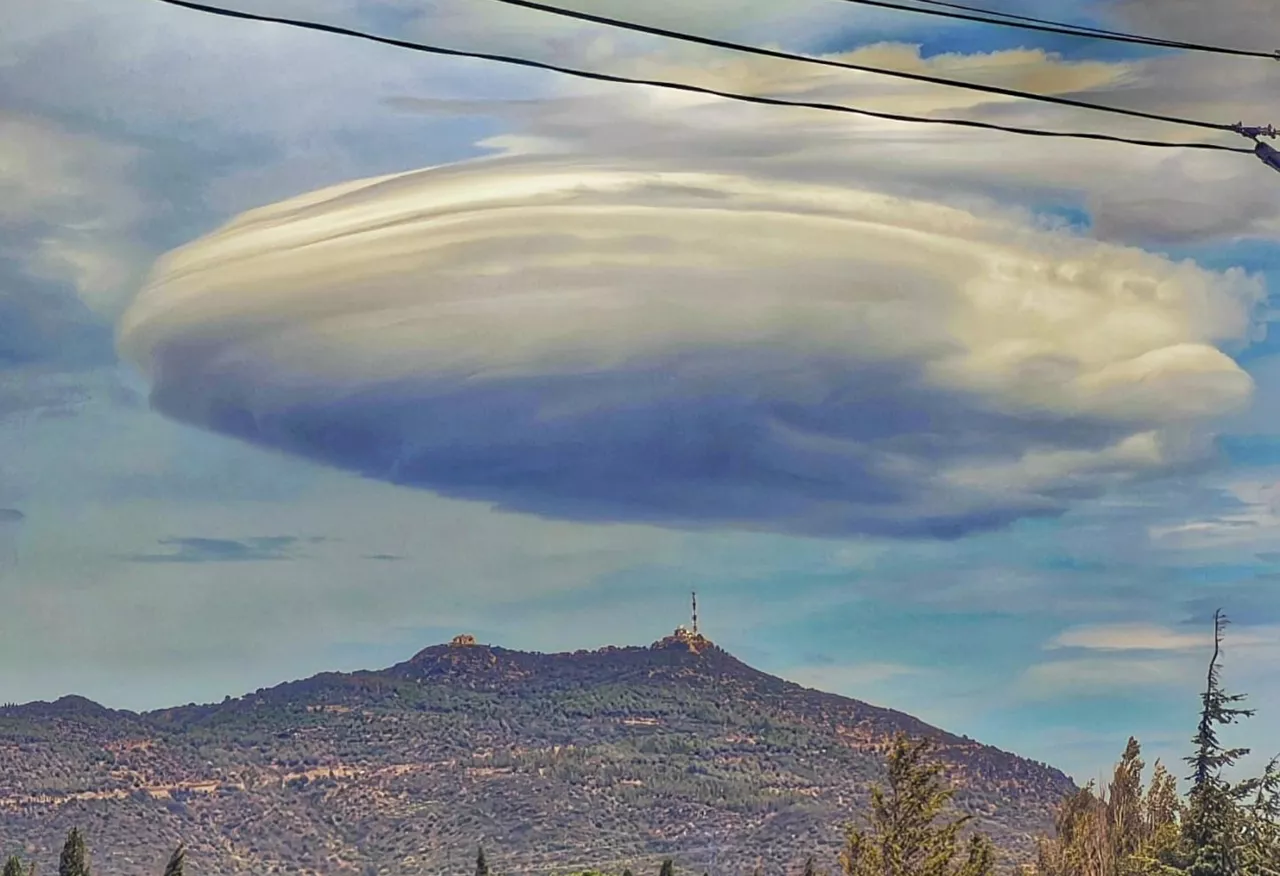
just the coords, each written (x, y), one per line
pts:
(68, 212)
(772, 310)
(1133, 193)
(1252, 524)
(1128, 637)
(1093, 676)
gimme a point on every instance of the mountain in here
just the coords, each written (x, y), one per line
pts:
(607, 758)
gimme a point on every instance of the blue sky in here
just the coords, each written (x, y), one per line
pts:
(976, 427)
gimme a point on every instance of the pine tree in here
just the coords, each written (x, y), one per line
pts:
(13, 866)
(903, 839)
(75, 856)
(1260, 839)
(482, 866)
(177, 861)
(1212, 824)
(667, 869)
(1215, 710)
(627, 872)
(810, 867)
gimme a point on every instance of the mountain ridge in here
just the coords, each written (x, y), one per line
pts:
(570, 757)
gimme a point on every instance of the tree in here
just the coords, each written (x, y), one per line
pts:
(1223, 829)
(13, 866)
(75, 856)
(482, 866)
(1122, 831)
(667, 869)
(1213, 825)
(902, 839)
(177, 861)
(810, 867)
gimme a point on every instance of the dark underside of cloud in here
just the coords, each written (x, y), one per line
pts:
(11, 515)
(672, 443)
(220, 550)
(48, 340)
(44, 324)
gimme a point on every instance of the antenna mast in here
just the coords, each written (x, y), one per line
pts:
(695, 612)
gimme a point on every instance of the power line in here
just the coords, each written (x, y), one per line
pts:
(848, 65)
(692, 89)
(1083, 28)
(1024, 22)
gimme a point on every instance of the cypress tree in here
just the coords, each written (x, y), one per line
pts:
(75, 856)
(810, 868)
(177, 861)
(482, 866)
(667, 869)
(13, 866)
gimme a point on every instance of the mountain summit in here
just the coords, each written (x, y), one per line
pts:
(607, 758)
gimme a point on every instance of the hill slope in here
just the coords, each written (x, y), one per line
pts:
(610, 758)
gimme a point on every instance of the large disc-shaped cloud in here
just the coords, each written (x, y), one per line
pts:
(590, 342)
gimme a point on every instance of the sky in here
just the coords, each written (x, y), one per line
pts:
(314, 353)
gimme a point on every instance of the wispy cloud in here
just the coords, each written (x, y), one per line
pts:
(1127, 637)
(11, 515)
(221, 550)
(1091, 677)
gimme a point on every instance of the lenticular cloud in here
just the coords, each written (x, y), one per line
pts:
(590, 342)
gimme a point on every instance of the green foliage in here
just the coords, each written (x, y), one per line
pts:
(1230, 828)
(903, 839)
(13, 866)
(1222, 829)
(667, 868)
(482, 866)
(1124, 831)
(75, 856)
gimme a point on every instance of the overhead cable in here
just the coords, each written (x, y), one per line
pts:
(692, 89)
(1024, 22)
(861, 68)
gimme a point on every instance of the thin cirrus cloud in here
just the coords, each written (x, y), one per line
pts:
(608, 342)
(1153, 637)
(1127, 637)
(1100, 677)
(221, 550)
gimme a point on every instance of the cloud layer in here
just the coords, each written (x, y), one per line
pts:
(691, 348)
